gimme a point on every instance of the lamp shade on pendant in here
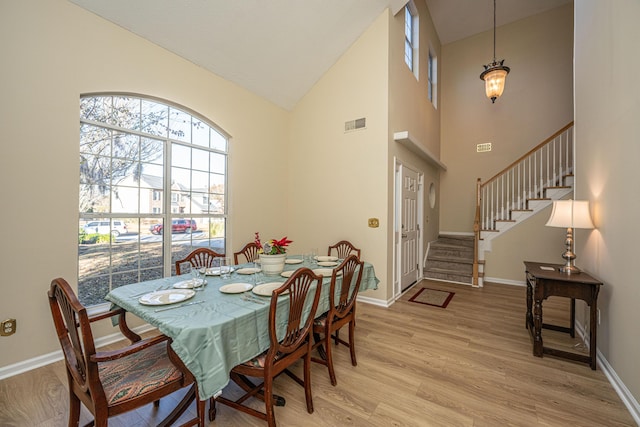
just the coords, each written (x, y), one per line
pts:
(494, 80)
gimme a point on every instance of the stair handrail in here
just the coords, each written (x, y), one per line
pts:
(528, 153)
(479, 221)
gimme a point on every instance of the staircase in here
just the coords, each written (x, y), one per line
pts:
(450, 258)
(521, 190)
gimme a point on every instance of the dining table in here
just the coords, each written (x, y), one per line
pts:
(223, 323)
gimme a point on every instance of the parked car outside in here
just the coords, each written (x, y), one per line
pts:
(104, 227)
(177, 226)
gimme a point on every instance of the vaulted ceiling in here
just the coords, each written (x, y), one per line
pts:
(279, 49)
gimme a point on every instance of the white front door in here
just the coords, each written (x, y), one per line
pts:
(409, 228)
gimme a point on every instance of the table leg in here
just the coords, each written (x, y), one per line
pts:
(592, 333)
(537, 328)
(529, 317)
(247, 385)
(572, 326)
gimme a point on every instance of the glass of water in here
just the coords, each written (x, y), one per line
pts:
(226, 267)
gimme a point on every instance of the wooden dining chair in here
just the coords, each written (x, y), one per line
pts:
(112, 382)
(302, 290)
(345, 283)
(199, 258)
(343, 249)
(250, 252)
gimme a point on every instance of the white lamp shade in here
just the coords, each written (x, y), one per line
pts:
(570, 214)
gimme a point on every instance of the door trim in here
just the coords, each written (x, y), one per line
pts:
(397, 218)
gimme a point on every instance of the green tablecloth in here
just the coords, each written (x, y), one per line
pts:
(223, 331)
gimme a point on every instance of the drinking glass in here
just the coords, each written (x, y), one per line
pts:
(198, 282)
(256, 277)
(225, 268)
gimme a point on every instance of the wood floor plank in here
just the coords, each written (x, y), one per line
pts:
(469, 365)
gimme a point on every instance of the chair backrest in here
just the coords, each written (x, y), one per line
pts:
(349, 282)
(73, 327)
(199, 258)
(250, 252)
(343, 249)
(300, 286)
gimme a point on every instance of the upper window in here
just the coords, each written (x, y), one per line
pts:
(133, 153)
(411, 37)
(432, 73)
(408, 37)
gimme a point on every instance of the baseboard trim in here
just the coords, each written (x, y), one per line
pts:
(504, 281)
(625, 395)
(455, 233)
(374, 301)
(46, 359)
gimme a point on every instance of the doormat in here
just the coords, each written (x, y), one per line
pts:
(432, 297)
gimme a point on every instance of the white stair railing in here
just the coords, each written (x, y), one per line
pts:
(547, 165)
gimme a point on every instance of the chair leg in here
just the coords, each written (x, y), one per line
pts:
(307, 380)
(329, 360)
(336, 337)
(201, 408)
(268, 402)
(352, 342)
(74, 410)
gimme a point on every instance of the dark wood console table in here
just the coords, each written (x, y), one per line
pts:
(545, 280)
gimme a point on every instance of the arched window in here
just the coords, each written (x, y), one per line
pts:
(152, 188)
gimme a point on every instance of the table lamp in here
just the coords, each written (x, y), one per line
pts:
(570, 214)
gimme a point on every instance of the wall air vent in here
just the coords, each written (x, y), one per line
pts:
(356, 124)
(481, 148)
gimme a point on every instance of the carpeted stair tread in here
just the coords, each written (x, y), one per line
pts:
(450, 258)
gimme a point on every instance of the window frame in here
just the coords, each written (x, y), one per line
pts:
(432, 78)
(160, 210)
(411, 38)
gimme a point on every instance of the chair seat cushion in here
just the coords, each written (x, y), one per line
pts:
(137, 374)
(321, 321)
(260, 360)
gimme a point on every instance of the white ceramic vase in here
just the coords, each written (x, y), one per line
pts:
(272, 265)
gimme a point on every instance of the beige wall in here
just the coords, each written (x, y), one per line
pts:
(607, 100)
(529, 241)
(335, 181)
(53, 52)
(537, 102)
(410, 110)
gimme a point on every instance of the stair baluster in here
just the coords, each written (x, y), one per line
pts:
(523, 186)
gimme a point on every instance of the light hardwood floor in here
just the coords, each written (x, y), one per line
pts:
(470, 364)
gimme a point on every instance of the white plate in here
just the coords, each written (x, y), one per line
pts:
(325, 258)
(287, 273)
(327, 263)
(326, 272)
(293, 261)
(248, 270)
(170, 296)
(214, 271)
(188, 284)
(266, 289)
(236, 288)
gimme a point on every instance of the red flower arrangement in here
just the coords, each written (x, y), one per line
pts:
(273, 246)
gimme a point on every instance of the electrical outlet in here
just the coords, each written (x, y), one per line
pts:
(8, 327)
(374, 222)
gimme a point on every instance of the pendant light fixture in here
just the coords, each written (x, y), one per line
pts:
(495, 73)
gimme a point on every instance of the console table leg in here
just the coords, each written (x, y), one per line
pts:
(537, 328)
